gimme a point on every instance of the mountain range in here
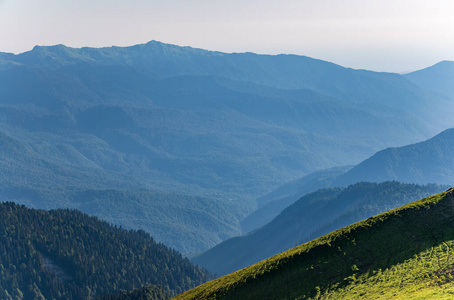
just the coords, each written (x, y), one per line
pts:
(437, 78)
(209, 127)
(430, 161)
(192, 148)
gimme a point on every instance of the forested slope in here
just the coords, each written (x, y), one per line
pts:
(210, 126)
(150, 292)
(64, 254)
(189, 224)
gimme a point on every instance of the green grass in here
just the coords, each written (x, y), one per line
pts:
(404, 253)
(425, 275)
(310, 217)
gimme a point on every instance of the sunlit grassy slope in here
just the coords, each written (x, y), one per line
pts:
(404, 253)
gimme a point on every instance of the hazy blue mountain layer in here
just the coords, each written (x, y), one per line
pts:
(271, 205)
(208, 125)
(431, 161)
(311, 216)
(437, 78)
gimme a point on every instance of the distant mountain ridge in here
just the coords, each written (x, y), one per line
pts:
(201, 124)
(279, 71)
(271, 205)
(437, 78)
(430, 161)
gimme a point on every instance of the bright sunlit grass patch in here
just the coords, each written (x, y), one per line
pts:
(401, 254)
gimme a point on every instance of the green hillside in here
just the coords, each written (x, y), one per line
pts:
(404, 253)
(313, 215)
(65, 254)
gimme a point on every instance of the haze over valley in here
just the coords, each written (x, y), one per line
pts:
(292, 151)
(112, 130)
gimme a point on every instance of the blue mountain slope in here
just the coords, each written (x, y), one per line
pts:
(281, 71)
(431, 161)
(219, 126)
(438, 78)
(271, 205)
(308, 218)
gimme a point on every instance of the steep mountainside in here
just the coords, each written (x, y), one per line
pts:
(430, 161)
(405, 253)
(271, 205)
(437, 78)
(64, 254)
(150, 292)
(425, 162)
(189, 224)
(310, 217)
(217, 126)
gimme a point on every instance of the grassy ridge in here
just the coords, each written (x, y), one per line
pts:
(403, 252)
(310, 217)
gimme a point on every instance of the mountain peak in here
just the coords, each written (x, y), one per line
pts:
(445, 62)
(50, 49)
(438, 77)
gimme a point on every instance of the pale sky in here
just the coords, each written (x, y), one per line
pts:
(381, 35)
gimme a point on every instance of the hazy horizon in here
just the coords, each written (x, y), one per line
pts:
(214, 50)
(393, 36)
